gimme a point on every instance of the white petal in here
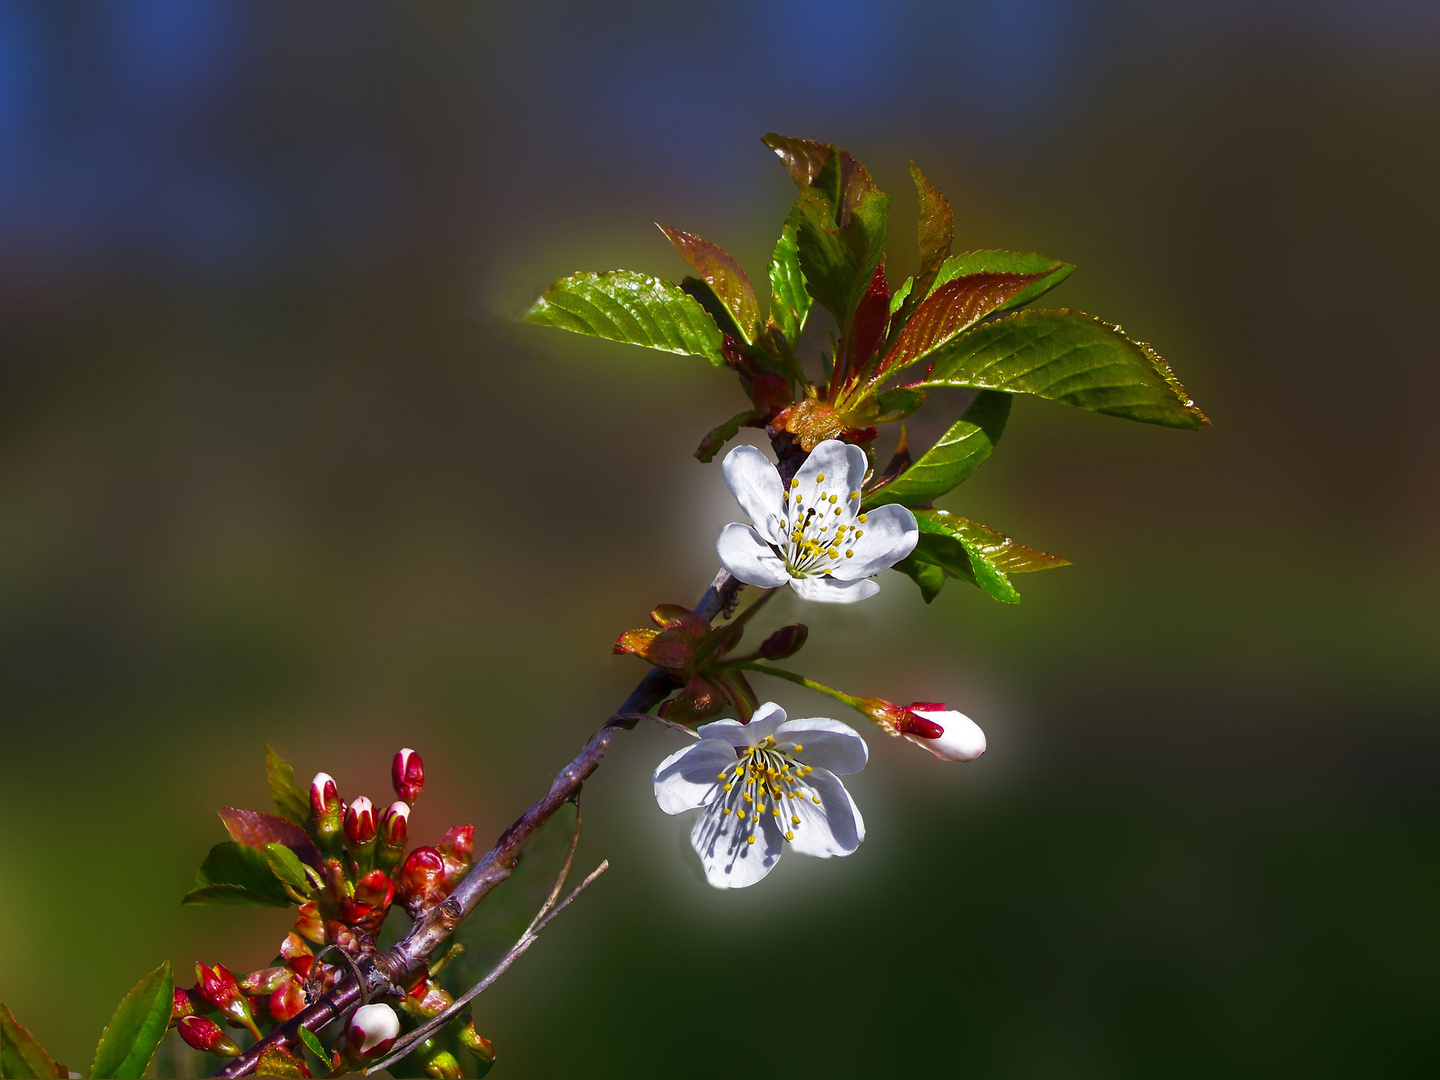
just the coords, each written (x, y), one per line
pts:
(826, 744)
(890, 534)
(690, 777)
(756, 485)
(830, 591)
(842, 464)
(766, 721)
(749, 558)
(962, 741)
(833, 826)
(722, 842)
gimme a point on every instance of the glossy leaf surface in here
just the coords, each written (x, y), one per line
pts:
(256, 830)
(236, 874)
(1070, 357)
(936, 230)
(620, 305)
(955, 455)
(789, 300)
(723, 274)
(291, 801)
(960, 548)
(286, 866)
(21, 1054)
(839, 260)
(1049, 272)
(135, 1030)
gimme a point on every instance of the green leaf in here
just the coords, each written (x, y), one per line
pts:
(237, 874)
(723, 433)
(277, 1061)
(957, 454)
(839, 260)
(1070, 357)
(140, 1022)
(21, 1055)
(936, 230)
(286, 866)
(313, 1044)
(789, 300)
(291, 802)
(624, 306)
(1051, 272)
(952, 546)
(898, 297)
(723, 274)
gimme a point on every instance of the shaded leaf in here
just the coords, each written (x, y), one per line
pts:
(955, 455)
(254, 829)
(21, 1054)
(286, 866)
(723, 433)
(705, 296)
(789, 300)
(1070, 357)
(291, 801)
(724, 276)
(839, 260)
(1051, 271)
(237, 874)
(871, 316)
(621, 305)
(998, 549)
(135, 1030)
(802, 158)
(277, 1061)
(951, 556)
(927, 575)
(936, 230)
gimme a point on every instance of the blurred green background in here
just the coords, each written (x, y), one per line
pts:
(279, 465)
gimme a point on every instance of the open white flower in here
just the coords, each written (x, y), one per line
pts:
(763, 785)
(812, 534)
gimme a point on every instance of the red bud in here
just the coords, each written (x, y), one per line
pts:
(422, 881)
(786, 641)
(326, 809)
(309, 925)
(206, 1035)
(183, 1004)
(287, 1000)
(219, 988)
(407, 774)
(395, 824)
(359, 824)
(264, 981)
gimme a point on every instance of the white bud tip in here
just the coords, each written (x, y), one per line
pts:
(362, 805)
(405, 755)
(321, 779)
(961, 740)
(370, 1025)
(399, 809)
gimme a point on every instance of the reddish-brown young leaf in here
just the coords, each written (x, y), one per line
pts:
(870, 318)
(952, 308)
(724, 276)
(802, 158)
(254, 829)
(937, 231)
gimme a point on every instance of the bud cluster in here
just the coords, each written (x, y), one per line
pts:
(356, 871)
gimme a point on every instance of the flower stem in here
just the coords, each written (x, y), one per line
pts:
(801, 680)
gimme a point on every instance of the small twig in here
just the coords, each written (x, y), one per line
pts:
(528, 938)
(630, 719)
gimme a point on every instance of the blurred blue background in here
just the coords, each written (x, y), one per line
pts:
(277, 464)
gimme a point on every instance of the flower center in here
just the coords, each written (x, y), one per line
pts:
(762, 781)
(819, 533)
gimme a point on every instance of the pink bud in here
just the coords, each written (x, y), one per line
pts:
(407, 774)
(372, 1029)
(287, 1000)
(206, 1035)
(949, 735)
(183, 1004)
(324, 795)
(422, 881)
(395, 823)
(360, 823)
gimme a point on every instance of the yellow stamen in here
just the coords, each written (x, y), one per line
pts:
(861, 518)
(789, 836)
(820, 479)
(794, 819)
(750, 839)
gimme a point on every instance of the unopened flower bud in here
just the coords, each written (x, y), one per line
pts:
(359, 824)
(204, 1034)
(287, 1000)
(422, 881)
(407, 774)
(394, 830)
(457, 847)
(786, 641)
(296, 954)
(440, 1064)
(326, 810)
(265, 980)
(479, 1046)
(183, 1004)
(372, 1029)
(309, 925)
(947, 734)
(219, 988)
(371, 903)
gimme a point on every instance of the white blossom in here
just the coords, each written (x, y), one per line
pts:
(959, 737)
(812, 534)
(372, 1027)
(764, 785)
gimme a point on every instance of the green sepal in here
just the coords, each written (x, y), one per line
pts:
(237, 874)
(621, 305)
(21, 1055)
(1070, 357)
(1006, 262)
(291, 802)
(957, 454)
(136, 1028)
(789, 299)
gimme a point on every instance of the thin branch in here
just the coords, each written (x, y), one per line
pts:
(522, 944)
